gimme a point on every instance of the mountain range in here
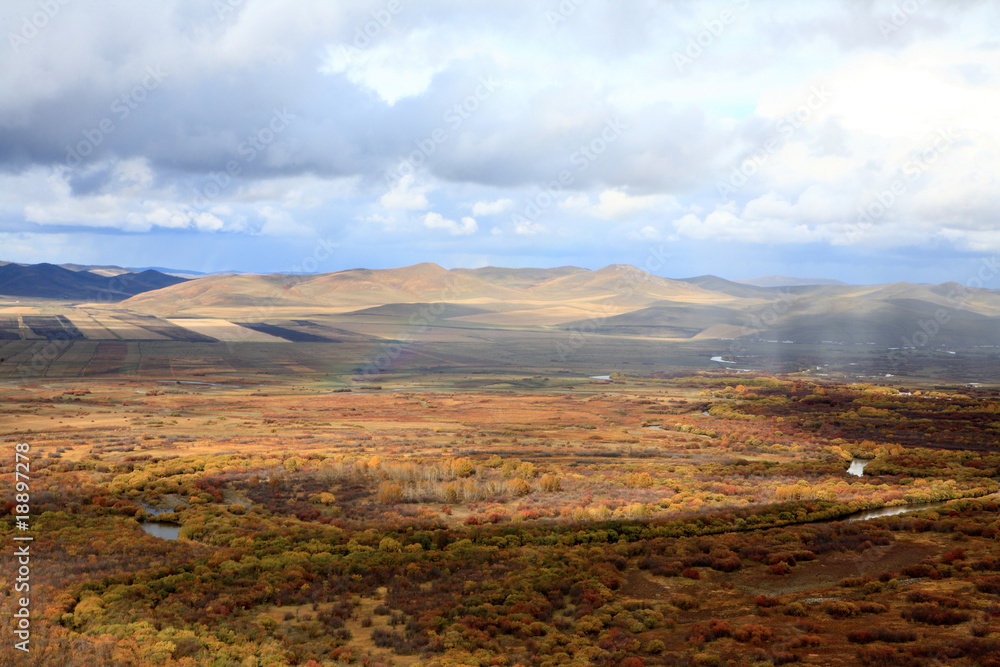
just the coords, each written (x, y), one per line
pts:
(617, 300)
(48, 281)
(113, 270)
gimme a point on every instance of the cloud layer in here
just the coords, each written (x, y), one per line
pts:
(735, 134)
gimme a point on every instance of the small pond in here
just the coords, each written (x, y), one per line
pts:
(166, 531)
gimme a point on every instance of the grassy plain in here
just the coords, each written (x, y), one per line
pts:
(479, 516)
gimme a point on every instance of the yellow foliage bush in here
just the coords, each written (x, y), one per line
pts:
(550, 483)
(389, 493)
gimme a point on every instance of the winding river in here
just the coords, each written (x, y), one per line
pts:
(892, 511)
(857, 469)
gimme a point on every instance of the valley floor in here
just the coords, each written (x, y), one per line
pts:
(496, 519)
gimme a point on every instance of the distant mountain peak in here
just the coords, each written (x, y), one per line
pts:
(49, 281)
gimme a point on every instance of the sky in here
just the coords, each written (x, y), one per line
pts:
(856, 139)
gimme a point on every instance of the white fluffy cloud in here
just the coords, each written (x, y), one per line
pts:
(406, 194)
(467, 226)
(484, 208)
(617, 204)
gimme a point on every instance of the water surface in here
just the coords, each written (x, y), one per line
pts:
(893, 511)
(166, 531)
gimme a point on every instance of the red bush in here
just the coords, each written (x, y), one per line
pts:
(753, 633)
(940, 600)
(781, 568)
(983, 564)
(809, 626)
(764, 601)
(774, 559)
(808, 640)
(865, 607)
(919, 570)
(730, 564)
(989, 585)
(717, 628)
(881, 635)
(697, 634)
(932, 614)
(980, 629)
(953, 555)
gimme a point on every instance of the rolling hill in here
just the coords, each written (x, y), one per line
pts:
(427, 302)
(617, 300)
(48, 281)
